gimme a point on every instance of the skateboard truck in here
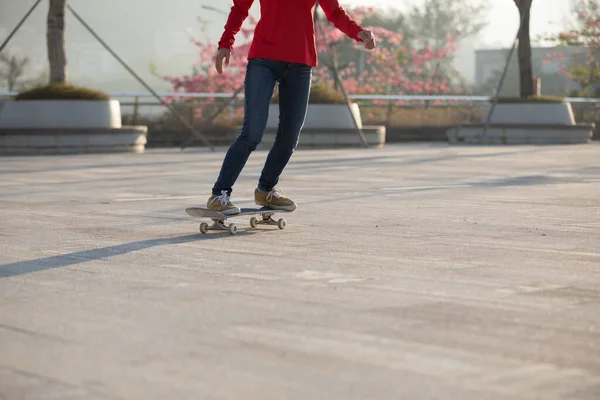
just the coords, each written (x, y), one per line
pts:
(219, 219)
(267, 219)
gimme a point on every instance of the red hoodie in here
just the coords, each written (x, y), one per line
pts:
(286, 30)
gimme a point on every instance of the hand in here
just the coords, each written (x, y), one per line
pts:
(368, 38)
(222, 54)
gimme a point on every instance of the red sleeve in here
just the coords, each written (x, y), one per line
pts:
(340, 19)
(237, 15)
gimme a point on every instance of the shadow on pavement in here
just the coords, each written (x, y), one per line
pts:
(79, 257)
(524, 181)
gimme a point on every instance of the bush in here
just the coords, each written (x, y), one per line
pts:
(320, 94)
(61, 91)
(532, 99)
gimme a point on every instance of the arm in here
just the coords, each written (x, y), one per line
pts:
(340, 19)
(237, 15)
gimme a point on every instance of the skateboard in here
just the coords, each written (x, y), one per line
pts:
(219, 219)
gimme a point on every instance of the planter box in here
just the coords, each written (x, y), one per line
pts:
(512, 134)
(322, 116)
(19, 141)
(525, 123)
(531, 113)
(332, 138)
(56, 114)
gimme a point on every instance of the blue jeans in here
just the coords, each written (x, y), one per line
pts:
(294, 88)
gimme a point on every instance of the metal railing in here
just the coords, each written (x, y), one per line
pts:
(425, 101)
(422, 116)
(430, 98)
(144, 104)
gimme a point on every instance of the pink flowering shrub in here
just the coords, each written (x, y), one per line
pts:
(585, 72)
(391, 68)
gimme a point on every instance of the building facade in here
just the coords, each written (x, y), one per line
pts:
(547, 64)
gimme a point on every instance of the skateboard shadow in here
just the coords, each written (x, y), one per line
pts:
(80, 257)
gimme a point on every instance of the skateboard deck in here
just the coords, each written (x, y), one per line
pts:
(219, 218)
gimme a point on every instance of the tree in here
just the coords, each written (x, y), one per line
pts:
(524, 51)
(12, 69)
(57, 87)
(433, 20)
(584, 10)
(204, 78)
(430, 24)
(55, 39)
(586, 34)
(392, 68)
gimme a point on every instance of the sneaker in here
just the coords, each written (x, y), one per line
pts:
(274, 200)
(221, 203)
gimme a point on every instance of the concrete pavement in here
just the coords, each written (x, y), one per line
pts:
(408, 272)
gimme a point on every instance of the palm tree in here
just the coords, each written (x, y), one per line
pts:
(525, 65)
(55, 38)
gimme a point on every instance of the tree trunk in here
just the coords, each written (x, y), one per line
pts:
(55, 39)
(13, 73)
(334, 66)
(525, 65)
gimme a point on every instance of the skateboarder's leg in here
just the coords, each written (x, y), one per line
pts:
(294, 90)
(261, 76)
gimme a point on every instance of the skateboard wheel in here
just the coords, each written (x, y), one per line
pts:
(233, 229)
(203, 228)
(254, 222)
(281, 223)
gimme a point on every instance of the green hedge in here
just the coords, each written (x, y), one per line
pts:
(61, 91)
(533, 99)
(320, 94)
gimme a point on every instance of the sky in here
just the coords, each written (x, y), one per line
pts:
(158, 33)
